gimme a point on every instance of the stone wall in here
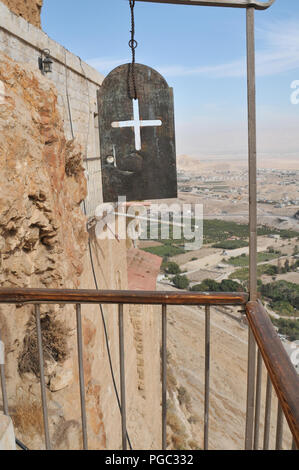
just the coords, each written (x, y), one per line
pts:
(76, 83)
(30, 10)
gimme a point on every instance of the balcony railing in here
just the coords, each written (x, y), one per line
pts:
(281, 373)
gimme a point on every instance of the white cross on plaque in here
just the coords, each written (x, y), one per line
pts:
(137, 124)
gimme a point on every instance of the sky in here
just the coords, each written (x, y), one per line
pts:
(201, 51)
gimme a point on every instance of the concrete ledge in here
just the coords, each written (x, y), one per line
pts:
(7, 435)
(20, 28)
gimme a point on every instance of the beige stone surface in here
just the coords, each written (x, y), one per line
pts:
(7, 436)
(30, 10)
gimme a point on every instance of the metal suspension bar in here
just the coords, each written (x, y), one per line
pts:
(258, 401)
(42, 376)
(207, 376)
(267, 413)
(164, 377)
(257, 4)
(122, 376)
(279, 427)
(81, 376)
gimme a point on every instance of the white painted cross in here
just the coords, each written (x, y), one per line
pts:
(137, 124)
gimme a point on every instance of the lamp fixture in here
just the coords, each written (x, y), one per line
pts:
(45, 62)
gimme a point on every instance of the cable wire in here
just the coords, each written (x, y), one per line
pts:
(92, 264)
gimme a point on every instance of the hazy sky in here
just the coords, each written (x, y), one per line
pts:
(201, 52)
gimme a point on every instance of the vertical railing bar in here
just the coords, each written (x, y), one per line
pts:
(267, 413)
(81, 376)
(250, 390)
(251, 96)
(258, 401)
(42, 377)
(122, 376)
(207, 376)
(279, 427)
(252, 165)
(164, 376)
(3, 383)
(294, 447)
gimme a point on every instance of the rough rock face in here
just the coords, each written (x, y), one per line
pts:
(30, 10)
(42, 229)
(42, 236)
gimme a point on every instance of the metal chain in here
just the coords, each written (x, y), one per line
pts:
(132, 88)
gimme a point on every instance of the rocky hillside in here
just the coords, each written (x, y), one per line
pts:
(30, 10)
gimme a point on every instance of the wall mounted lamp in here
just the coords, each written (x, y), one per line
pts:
(45, 62)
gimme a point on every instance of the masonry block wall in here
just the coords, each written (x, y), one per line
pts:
(76, 82)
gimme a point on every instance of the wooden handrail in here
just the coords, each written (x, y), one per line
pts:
(46, 296)
(281, 371)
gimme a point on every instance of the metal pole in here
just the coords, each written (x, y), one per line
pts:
(267, 413)
(258, 401)
(279, 427)
(42, 377)
(122, 375)
(81, 376)
(3, 380)
(251, 91)
(207, 377)
(164, 377)
(250, 391)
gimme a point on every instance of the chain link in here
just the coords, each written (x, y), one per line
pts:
(132, 88)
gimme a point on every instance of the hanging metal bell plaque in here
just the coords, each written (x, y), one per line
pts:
(137, 137)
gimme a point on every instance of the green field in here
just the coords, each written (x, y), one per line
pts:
(262, 257)
(243, 273)
(165, 250)
(215, 232)
(289, 328)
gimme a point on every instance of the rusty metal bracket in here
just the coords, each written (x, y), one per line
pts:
(257, 4)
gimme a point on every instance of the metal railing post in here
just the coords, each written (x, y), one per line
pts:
(164, 377)
(279, 427)
(207, 376)
(250, 390)
(267, 413)
(3, 380)
(122, 376)
(42, 377)
(251, 92)
(258, 401)
(81, 376)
